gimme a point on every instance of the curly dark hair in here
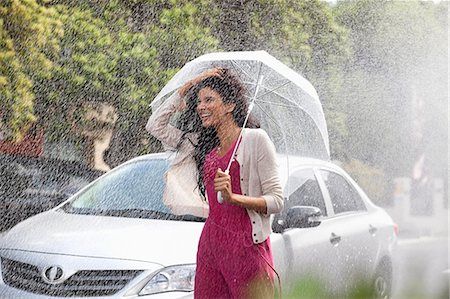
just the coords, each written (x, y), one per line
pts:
(230, 88)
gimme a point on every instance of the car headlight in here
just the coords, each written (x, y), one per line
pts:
(174, 278)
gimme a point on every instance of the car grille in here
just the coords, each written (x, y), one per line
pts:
(83, 283)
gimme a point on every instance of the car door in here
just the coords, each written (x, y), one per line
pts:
(354, 234)
(307, 252)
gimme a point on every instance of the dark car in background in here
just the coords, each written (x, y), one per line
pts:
(29, 186)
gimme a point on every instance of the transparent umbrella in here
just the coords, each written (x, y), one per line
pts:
(285, 103)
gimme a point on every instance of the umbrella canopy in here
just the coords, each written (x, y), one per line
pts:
(285, 103)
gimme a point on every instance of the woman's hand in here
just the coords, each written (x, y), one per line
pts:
(181, 105)
(222, 183)
(215, 72)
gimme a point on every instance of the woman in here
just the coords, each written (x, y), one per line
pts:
(234, 257)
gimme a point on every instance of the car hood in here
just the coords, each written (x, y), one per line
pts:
(157, 241)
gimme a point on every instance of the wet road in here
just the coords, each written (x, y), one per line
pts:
(422, 268)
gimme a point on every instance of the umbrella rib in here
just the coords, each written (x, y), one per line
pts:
(236, 67)
(259, 74)
(273, 90)
(284, 137)
(290, 101)
(278, 94)
(301, 108)
(277, 104)
(273, 120)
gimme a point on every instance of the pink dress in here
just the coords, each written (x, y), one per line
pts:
(229, 264)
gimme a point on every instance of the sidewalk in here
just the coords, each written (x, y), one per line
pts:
(422, 269)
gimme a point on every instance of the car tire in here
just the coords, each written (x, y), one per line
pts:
(382, 281)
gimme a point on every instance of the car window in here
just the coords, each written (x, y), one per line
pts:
(305, 191)
(136, 185)
(75, 183)
(133, 190)
(344, 197)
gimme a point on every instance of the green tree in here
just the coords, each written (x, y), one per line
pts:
(177, 34)
(60, 60)
(101, 63)
(29, 47)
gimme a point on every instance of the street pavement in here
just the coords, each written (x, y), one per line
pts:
(422, 269)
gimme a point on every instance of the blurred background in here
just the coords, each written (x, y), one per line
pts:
(77, 78)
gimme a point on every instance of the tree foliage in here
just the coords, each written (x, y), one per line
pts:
(98, 65)
(373, 63)
(29, 46)
(103, 53)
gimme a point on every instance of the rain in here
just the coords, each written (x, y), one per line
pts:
(361, 84)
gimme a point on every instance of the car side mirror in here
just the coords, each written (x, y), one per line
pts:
(302, 216)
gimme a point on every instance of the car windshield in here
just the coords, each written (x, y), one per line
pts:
(133, 190)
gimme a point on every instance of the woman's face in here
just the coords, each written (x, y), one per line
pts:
(211, 108)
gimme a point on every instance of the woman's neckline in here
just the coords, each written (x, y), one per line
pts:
(229, 149)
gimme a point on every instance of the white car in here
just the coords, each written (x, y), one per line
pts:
(115, 238)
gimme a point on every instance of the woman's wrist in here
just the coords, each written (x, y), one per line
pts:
(234, 199)
(254, 203)
(180, 105)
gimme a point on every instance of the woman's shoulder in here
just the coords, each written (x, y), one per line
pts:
(257, 142)
(255, 135)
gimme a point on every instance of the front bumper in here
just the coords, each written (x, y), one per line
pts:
(29, 287)
(7, 292)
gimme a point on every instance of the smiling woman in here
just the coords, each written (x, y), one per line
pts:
(215, 130)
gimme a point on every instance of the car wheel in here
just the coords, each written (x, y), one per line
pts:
(382, 283)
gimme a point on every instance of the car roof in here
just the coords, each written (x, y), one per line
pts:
(294, 162)
(284, 161)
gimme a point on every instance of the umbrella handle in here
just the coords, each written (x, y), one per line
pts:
(250, 108)
(219, 194)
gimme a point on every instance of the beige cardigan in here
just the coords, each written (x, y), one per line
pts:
(255, 155)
